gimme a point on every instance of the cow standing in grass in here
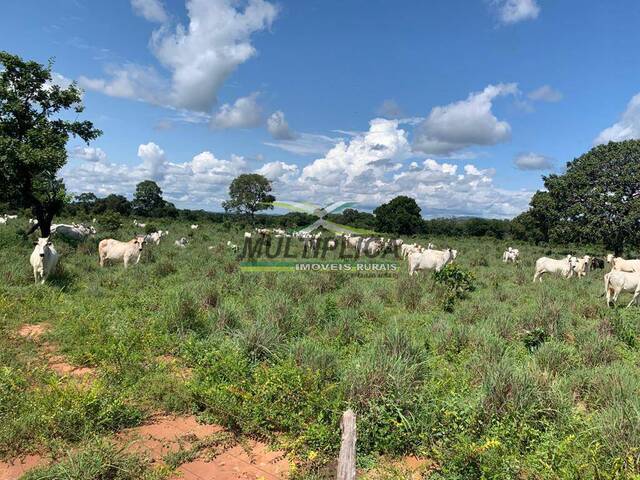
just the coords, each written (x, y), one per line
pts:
(44, 259)
(110, 249)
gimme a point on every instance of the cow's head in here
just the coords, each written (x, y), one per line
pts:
(139, 241)
(42, 246)
(610, 258)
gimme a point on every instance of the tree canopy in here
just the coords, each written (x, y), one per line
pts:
(34, 134)
(597, 199)
(401, 216)
(248, 194)
(147, 199)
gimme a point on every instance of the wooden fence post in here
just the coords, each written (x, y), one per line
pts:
(347, 458)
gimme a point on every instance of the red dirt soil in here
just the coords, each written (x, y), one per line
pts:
(166, 434)
(56, 362)
(11, 471)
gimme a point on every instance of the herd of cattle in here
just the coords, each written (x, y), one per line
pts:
(624, 275)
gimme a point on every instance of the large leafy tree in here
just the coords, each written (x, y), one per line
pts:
(147, 199)
(86, 201)
(401, 216)
(248, 194)
(33, 136)
(596, 200)
(113, 203)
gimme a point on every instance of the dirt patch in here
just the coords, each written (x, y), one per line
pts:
(164, 436)
(33, 331)
(55, 361)
(18, 467)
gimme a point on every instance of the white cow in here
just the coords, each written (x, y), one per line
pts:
(110, 249)
(232, 246)
(154, 237)
(74, 231)
(3, 221)
(510, 255)
(182, 243)
(622, 265)
(33, 221)
(583, 266)
(138, 224)
(371, 247)
(617, 281)
(44, 259)
(11, 217)
(195, 227)
(331, 244)
(430, 260)
(564, 267)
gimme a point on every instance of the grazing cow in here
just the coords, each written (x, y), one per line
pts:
(74, 232)
(583, 265)
(371, 247)
(11, 217)
(138, 224)
(32, 221)
(232, 246)
(617, 281)
(430, 260)
(110, 249)
(564, 267)
(622, 265)
(154, 237)
(182, 243)
(3, 221)
(44, 259)
(195, 227)
(510, 255)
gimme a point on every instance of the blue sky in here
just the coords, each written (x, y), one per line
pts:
(461, 104)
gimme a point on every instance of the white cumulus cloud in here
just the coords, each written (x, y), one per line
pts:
(201, 182)
(278, 127)
(532, 161)
(90, 154)
(200, 56)
(514, 11)
(244, 113)
(461, 124)
(278, 171)
(627, 128)
(152, 10)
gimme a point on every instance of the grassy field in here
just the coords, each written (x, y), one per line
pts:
(515, 380)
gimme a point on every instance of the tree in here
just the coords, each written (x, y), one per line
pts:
(400, 216)
(113, 203)
(86, 201)
(248, 194)
(597, 200)
(148, 200)
(33, 137)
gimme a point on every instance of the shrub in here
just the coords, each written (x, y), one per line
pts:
(110, 222)
(456, 282)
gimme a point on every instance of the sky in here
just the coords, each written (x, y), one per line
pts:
(461, 104)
